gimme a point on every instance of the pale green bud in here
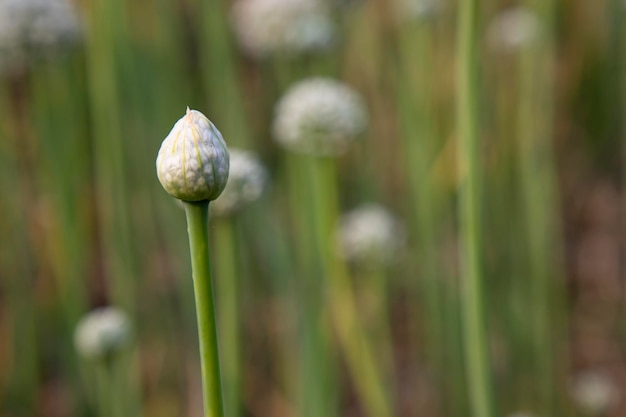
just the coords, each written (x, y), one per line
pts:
(193, 162)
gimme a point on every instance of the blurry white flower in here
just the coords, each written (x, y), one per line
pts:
(513, 29)
(418, 9)
(30, 29)
(319, 116)
(594, 392)
(370, 234)
(102, 332)
(192, 164)
(246, 182)
(264, 27)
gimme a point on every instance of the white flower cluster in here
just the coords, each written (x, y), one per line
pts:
(513, 29)
(102, 332)
(595, 392)
(370, 234)
(31, 29)
(246, 182)
(418, 9)
(319, 116)
(193, 161)
(265, 27)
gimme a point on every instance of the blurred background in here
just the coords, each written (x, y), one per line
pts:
(337, 264)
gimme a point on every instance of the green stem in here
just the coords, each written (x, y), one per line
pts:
(198, 230)
(353, 340)
(228, 311)
(475, 332)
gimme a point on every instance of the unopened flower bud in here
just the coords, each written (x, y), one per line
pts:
(102, 332)
(246, 182)
(319, 116)
(193, 162)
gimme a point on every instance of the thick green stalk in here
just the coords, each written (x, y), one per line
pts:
(476, 346)
(198, 230)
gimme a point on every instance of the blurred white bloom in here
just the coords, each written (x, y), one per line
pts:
(264, 27)
(319, 116)
(370, 234)
(102, 332)
(246, 182)
(418, 9)
(595, 392)
(35, 28)
(193, 162)
(513, 29)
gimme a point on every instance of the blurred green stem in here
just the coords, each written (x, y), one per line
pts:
(198, 230)
(357, 348)
(228, 311)
(476, 343)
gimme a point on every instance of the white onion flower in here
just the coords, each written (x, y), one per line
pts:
(513, 29)
(594, 392)
(102, 332)
(246, 181)
(370, 234)
(418, 9)
(193, 162)
(30, 29)
(319, 116)
(264, 27)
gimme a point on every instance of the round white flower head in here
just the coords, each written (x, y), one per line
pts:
(102, 332)
(246, 181)
(319, 116)
(193, 161)
(264, 27)
(30, 29)
(513, 29)
(594, 392)
(370, 234)
(418, 9)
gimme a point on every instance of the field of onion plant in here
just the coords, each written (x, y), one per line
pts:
(312, 208)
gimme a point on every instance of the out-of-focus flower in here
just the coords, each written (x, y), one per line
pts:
(102, 332)
(513, 29)
(264, 27)
(418, 9)
(594, 392)
(370, 234)
(32, 29)
(246, 182)
(193, 161)
(319, 116)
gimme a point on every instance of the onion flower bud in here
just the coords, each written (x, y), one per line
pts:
(193, 162)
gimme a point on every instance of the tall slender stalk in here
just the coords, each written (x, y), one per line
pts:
(198, 230)
(228, 311)
(476, 346)
(357, 348)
